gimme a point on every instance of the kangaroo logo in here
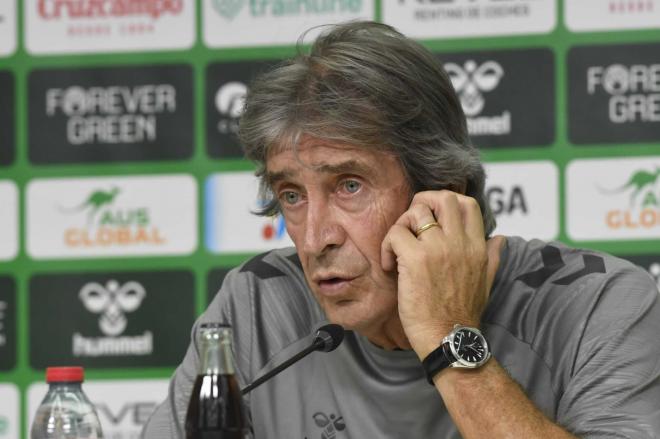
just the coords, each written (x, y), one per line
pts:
(471, 80)
(112, 301)
(228, 8)
(637, 182)
(330, 425)
(94, 202)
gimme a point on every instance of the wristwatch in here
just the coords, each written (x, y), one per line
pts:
(464, 347)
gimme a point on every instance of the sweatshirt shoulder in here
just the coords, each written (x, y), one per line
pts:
(540, 282)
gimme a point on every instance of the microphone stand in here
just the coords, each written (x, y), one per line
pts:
(300, 355)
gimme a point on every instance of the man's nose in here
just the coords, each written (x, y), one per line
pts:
(322, 228)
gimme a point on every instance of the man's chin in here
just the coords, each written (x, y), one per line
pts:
(349, 315)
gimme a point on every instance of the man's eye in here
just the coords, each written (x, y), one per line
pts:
(291, 197)
(352, 186)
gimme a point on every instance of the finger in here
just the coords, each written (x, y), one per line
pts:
(445, 207)
(472, 218)
(416, 217)
(397, 241)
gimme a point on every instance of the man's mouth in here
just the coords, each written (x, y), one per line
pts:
(333, 285)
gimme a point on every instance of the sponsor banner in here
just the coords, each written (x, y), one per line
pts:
(470, 18)
(8, 220)
(7, 122)
(9, 412)
(494, 89)
(273, 22)
(83, 26)
(614, 94)
(110, 114)
(7, 29)
(214, 280)
(111, 216)
(226, 86)
(231, 227)
(649, 262)
(611, 199)
(591, 15)
(524, 196)
(123, 406)
(7, 325)
(106, 320)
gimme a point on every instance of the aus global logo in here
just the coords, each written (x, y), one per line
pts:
(107, 223)
(642, 188)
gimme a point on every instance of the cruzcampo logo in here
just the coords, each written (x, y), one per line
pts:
(643, 210)
(228, 8)
(107, 224)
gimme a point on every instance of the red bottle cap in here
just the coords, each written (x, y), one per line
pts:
(65, 374)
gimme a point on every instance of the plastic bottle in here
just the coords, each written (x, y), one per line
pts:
(216, 407)
(65, 412)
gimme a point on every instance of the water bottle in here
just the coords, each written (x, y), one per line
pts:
(216, 407)
(65, 412)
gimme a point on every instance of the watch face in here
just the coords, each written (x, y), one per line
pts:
(469, 346)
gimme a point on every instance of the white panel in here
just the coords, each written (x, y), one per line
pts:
(525, 198)
(112, 216)
(613, 199)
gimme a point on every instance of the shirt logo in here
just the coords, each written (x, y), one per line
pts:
(330, 425)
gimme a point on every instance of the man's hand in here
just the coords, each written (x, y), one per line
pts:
(445, 273)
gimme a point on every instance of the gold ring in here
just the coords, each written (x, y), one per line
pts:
(425, 227)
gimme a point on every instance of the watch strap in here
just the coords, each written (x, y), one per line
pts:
(437, 361)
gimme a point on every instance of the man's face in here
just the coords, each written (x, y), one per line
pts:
(339, 202)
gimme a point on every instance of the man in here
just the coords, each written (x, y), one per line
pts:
(362, 146)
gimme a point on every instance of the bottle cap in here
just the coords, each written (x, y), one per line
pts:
(65, 374)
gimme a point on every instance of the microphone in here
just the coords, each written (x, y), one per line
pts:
(327, 339)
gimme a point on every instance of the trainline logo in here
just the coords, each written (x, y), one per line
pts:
(609, 199)
(229, 9)
(274, 21)
(144, 215)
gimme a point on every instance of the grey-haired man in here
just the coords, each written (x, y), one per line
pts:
(361, 145)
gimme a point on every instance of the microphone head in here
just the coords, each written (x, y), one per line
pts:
(328, 337)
